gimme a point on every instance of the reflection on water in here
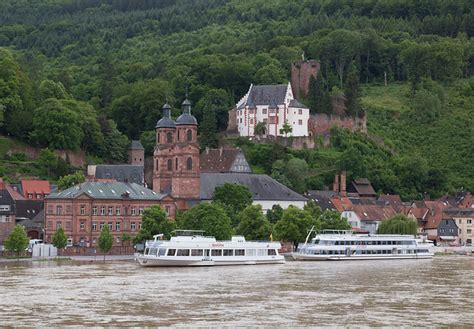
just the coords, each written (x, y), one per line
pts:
(377, 293)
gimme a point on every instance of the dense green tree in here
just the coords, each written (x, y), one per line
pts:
(332, 220)
(296, 172)
(234, 197)
(313, 209)
(50, 89)
(274, 215)
(260, 129)
(352, 93)
(59, 239)
(17, 241)
(399, 224)
(208, 137)
(209, 217)
(295, 225)
(286, 129)
(106, 240)
(319, 100)
(71, 180)
(10, 88)
(253, 224)
(154, 222)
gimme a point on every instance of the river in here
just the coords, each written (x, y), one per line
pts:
(437, 292)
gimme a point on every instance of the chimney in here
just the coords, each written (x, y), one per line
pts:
(335, 185)
(343, 184)
(207, 149)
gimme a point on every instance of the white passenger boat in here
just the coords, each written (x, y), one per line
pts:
(191, 248)
(343, 245)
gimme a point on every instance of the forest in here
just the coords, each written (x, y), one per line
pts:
(91, 75)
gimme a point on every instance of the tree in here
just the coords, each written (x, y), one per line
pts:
(297, 172)
(312, 207)
(209, 217)
(51, 89)
(352, 93)
(70, 180)
(17, 241)
(398, 224)
(332, 220)
(106, 240)
(154, 222)
(233, 197)
(59, 239)
(319, 100)
(274, 215)
(260, 129)
(56, 126)
(253, 224)
(286, 129)
(208, 127)
(295, 225)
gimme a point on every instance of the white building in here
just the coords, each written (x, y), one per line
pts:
(273, 105)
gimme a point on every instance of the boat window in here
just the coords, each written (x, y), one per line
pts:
(272, 252)
(228, 252)
(261, 252)
(171, 252)
(216, 252)
(337, 243)
(196, 252)
(153, 251)
(161, 252)
(241, 252)
(250, 252)
(316, 241)
(182, 252)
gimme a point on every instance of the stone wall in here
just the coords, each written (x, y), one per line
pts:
(321, 123)
(74, 158)
(297, 143)
(301, 72)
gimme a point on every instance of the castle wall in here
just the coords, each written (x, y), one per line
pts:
(301, 72)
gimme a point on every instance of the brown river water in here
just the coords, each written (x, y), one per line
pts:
(437, 292)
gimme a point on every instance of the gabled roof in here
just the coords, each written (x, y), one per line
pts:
(296, 103)
(219, 160)
(362, 186)
(35, 186)
(266, 95)
(121, 173)
(391, 198)
(373, 212)
(28, 208)
(14, 194)
(262, 187)
(108, 190)
(322, 199)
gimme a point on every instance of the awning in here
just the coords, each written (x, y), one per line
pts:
(450, 238)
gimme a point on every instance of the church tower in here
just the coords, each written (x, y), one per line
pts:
(163, 156)
(186, 175)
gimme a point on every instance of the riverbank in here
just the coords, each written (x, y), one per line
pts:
(109, 258)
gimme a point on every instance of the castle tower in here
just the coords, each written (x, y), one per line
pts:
(136, 154)
(301, 72)
(163, 156)
(186, 181)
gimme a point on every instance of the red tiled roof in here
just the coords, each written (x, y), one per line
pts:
(217, 160)
(433, 212)
(373, 212)
(35, 186)
(341, 203)
(14, 194)
(394, 198)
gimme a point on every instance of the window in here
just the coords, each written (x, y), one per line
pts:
(216, 252)
(273, 120)
(271, 252)
(176, 164)
(196, 252)
(228, 252)
(68, 209)
(442, 230)
(261, 252)
(167, 210)
(102, 225)
(58, 225)
(240, 120)
(469, 221)
(83, 210)
(251, 121)
(161, 252)
(251, 111)
(94, 226)
(158, 138)
(50, 224)
(133, 226)
(300, 111)
(50, 209)
(264, 111)
(171, 252)
(250, 252)
(117, 211)
(240, 252)
(460, 221)
(265, 120)
(102, 211)
(59, 210)
(82, 226)
(169, 166)
(189, 164)
(140, 211)
(182, 252)
(134, 211)
(94, 210)
(469, 231)
(110, 225)
(169, 137)
(111, 211)
(30, 195)
(38, 196)
(117, 226)
(189, 135)
(300, 122)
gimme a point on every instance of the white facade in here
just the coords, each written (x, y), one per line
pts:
(268, 204)
(274, 113)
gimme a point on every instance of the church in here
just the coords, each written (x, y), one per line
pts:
(187, 176)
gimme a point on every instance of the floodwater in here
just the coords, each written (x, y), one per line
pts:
(437, 292)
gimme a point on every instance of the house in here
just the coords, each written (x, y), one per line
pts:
(322, 198)
(273, 105)
(35, 189)
(84, 209)
(464, 219)
(223, 160)
(8, 196)
(368, 217)
(29, 214)
(362, 188)
(265, 190)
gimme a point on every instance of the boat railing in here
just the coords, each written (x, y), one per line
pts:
(188, 233)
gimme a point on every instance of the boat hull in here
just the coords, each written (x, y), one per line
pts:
(306, 257)
(150, 261)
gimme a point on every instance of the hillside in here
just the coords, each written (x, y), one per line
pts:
(91, 75)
